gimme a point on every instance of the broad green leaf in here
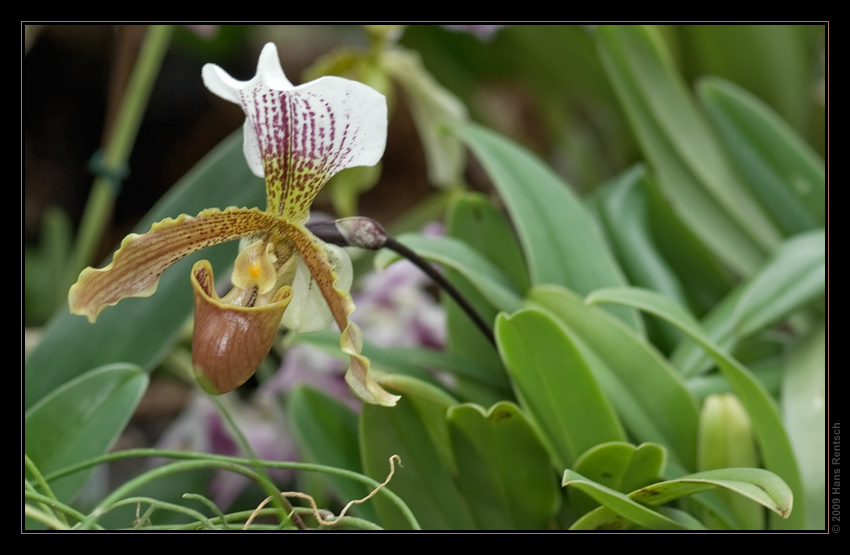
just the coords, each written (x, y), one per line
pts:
(768, 427)
(703, 277)
(555, 385)
(783, 173)
(620, 511)
(141, 331)
(791, 280)
(491, 282)
(643, 388)
(623, 209)
(760, 485)
(804, 412)
(747, 55)
(795, 277)
(81, 420)
(326, 433)
(678, 143)
(473, 218)
(620, 466)
(504, 471)
(560, 241)
(618, 503)
(416, 430)
(623, 466)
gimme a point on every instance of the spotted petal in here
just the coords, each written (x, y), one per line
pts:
(314, 255)
(300, 137)
(137, 265)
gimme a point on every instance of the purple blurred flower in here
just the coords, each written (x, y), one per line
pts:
(200, 428)
(481, 32)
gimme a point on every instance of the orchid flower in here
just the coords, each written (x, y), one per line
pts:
(297, 138)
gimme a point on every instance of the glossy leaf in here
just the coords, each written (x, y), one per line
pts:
(141, 331)
(474, 219)
(619, 506)
(326, 433)
(768, 427)
(678, 144)
(560, 241)
(416, 430)
(784, 174)
(623, 208)
(81, 420)
(643, 388)
(791, 280)
(504, 471)
(804, 412)
(641, 507)
(746, 54)
(757, 484)
(620, 466)
(555, 385)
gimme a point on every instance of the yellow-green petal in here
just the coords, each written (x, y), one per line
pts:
(313, 253)
(137, 265)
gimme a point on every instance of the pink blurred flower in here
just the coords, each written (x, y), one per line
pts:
(482, 32)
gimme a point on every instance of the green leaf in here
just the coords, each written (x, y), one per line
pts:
(503, 469)
(768, 427)
(81, 420)
(619, 511)
(473, 218)
(763, 487)
(326, 433)
(560, 241)
(793, 279)
(554, 385)
(623, 209)
(415, 429)
(644, 389)
(804, 412)
(141, 331)
(783, 173)
(748, 54)
(619, 506)
(620, 466)
(675, 138)
(623, 466)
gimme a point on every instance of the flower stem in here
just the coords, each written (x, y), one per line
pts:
(444, 284)
(111, 166)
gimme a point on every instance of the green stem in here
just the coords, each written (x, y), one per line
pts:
(117, 150)
(282, 502)
(211, 460)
